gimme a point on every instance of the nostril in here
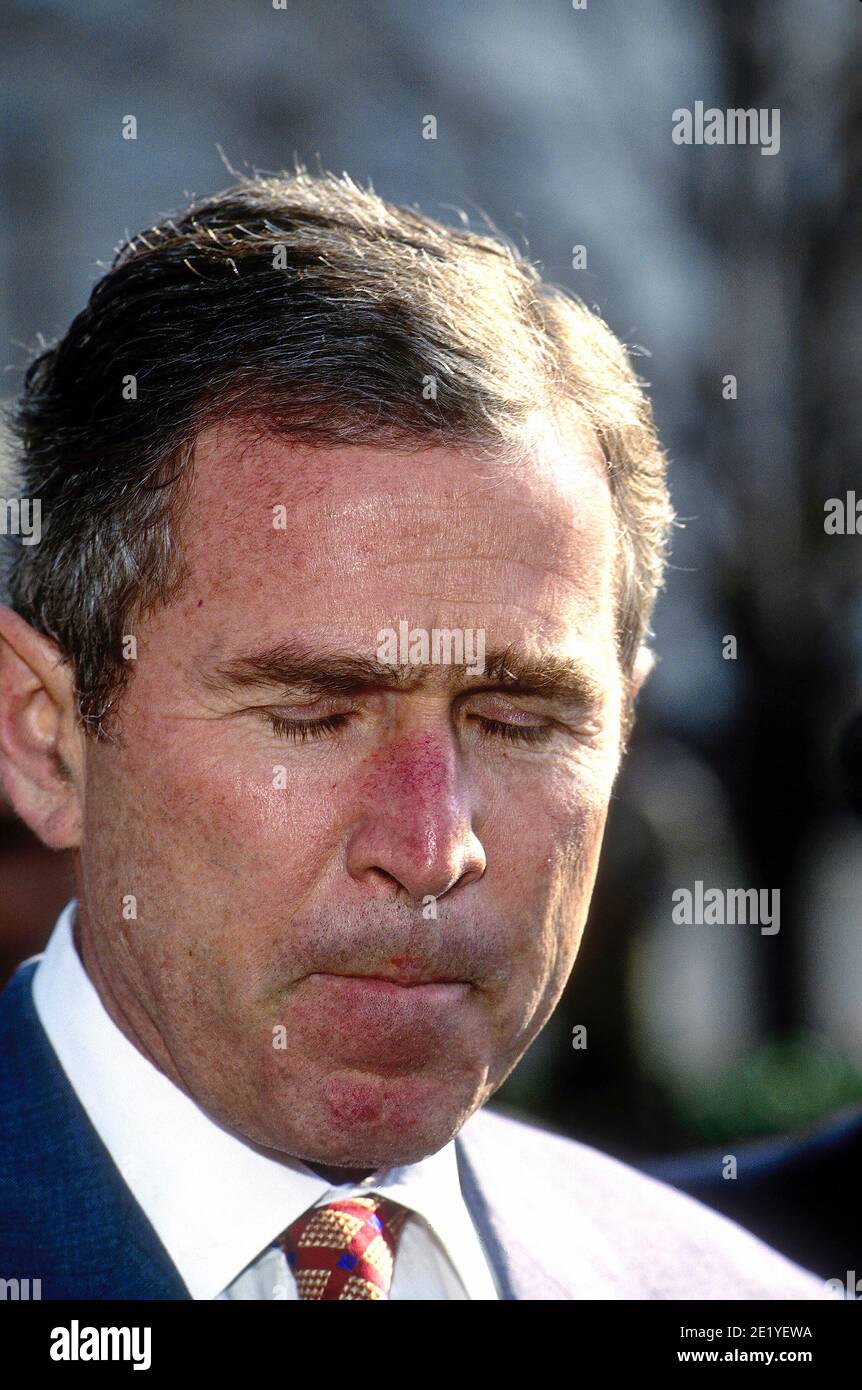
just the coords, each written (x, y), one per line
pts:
(383, 878)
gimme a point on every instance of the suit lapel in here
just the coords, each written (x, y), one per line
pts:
(69, 1218)
(518, 1274)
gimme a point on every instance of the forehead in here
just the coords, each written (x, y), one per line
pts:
(269, 520)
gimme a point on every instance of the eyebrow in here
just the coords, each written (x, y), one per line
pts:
(290, 665)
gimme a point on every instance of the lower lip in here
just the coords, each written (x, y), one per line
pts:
(376, 1024)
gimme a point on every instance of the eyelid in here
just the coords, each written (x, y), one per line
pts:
(321, 706)
(577, 718)
(302, 730)
(503, 703)
(311, 730)
(489, 705)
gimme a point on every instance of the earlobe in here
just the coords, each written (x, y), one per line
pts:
(41, 743)
(644, 663)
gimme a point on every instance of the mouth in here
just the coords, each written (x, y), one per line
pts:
(427, 987)
(406, 979)
(400, 981)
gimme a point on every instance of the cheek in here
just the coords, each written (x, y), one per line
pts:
(203, 825)
(546, 820)
(544, 839)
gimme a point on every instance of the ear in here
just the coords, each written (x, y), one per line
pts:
(644, 662)
(41, 741)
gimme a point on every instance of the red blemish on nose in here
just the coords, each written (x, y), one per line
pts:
(413, 767)
(200, 603)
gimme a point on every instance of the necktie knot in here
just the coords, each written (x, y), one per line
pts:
(345, 1249)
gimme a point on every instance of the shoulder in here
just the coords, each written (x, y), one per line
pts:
(29, 1075)
(18, 988)
(18, 1020)
(608, 1230)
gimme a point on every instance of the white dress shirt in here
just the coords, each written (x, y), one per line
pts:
(216, 1203)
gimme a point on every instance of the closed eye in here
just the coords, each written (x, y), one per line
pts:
(300, 730)
(304, 730)
(515, 733)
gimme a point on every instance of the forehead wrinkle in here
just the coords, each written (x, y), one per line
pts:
(235, 463)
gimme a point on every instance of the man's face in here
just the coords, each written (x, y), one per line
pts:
(286, 965)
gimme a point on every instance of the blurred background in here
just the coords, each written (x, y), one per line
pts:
(716, 261)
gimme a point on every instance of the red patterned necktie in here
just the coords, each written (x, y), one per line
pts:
(345, 1249)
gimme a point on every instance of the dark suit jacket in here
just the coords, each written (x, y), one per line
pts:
(558, 1220)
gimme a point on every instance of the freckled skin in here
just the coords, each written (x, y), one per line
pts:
(254, 902)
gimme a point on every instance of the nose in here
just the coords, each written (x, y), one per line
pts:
(415, 829)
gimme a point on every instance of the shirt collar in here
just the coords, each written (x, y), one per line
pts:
(214, 1201)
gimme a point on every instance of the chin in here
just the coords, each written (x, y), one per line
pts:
(363, 1120)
